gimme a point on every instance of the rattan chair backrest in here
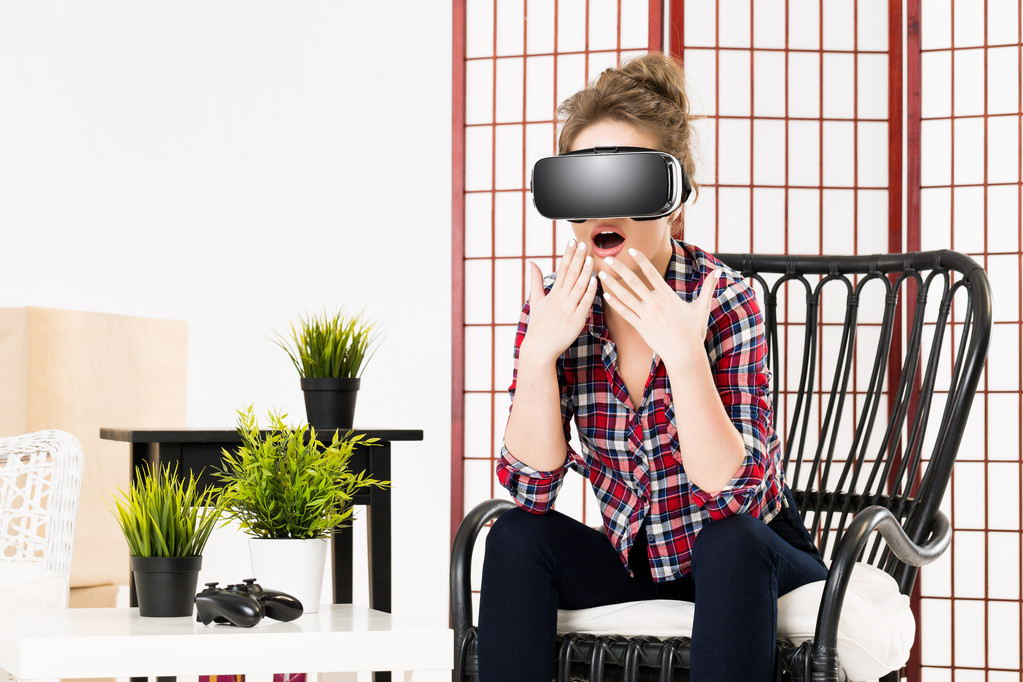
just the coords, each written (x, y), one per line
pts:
(874, 361)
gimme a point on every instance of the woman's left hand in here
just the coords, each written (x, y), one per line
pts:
(672, 327)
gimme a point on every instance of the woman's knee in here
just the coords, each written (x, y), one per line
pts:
(734, 538)
(515, 532)
(509, 526)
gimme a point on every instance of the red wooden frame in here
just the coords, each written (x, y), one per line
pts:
(457, 263)
(666, 32)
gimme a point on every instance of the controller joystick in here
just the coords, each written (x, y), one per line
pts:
(244, 604)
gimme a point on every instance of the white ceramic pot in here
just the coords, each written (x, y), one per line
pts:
(291, 566)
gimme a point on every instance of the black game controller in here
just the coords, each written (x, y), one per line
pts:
(244, 605)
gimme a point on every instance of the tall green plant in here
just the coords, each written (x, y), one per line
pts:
(331, 347)
(284, 483)
(161, 515)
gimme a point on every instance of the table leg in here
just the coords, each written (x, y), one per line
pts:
(378, 530)
(342, 549)
(142, 453)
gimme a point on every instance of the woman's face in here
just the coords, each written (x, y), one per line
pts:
(615, 236)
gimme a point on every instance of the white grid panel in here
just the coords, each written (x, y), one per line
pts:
(970, 202)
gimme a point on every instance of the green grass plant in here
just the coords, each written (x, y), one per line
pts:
(284, 483)
(162, 515)
(326, 346)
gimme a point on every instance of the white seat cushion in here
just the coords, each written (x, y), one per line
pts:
(30, 586)
(875, 632)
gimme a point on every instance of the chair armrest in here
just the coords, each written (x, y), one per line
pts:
(825, 652)
(461, 562)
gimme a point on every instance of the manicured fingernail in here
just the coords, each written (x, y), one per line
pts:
(593, 278)
(589, 260)
(609, 260)
(581, 246)
(602, 274)
(571, 243)
(632, 252)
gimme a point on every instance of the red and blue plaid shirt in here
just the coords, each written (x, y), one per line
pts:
(631, 456)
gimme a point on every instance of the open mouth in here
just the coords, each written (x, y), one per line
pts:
(606, 241)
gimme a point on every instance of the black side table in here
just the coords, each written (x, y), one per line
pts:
(199, 451)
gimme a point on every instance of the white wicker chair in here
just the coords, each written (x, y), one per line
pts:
(40, 483)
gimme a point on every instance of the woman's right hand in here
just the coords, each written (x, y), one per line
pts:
(557, 317)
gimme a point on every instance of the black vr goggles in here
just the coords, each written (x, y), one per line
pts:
(609, 182)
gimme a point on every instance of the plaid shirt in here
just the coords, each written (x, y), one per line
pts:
(631, 457)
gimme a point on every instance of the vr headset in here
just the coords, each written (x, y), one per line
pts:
(609, 182)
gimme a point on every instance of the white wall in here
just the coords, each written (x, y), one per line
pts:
(234, 164)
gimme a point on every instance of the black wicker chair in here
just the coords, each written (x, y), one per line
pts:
(856, 463)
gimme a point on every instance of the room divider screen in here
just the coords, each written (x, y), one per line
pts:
(825, 126)
(967, 187)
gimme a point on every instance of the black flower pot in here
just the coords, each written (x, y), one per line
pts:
(165, 586)
(330, 403)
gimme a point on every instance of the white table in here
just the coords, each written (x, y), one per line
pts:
(119, 643)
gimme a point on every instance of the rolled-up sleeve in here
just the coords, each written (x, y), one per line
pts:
(738, 355)
(533, 490)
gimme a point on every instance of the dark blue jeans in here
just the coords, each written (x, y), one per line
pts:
(538, 563)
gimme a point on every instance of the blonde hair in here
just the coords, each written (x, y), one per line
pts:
(647, 92)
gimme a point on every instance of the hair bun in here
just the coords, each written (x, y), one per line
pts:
(660, 74)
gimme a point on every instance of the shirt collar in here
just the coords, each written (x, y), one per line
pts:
(682, 272)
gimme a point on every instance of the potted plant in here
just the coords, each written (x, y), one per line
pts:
(288, 490)
(166, 522)
(330, 353)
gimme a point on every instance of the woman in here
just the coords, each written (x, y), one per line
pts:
(656, 349)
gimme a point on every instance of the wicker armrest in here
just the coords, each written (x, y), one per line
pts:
(461, 566)
(825, 647)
